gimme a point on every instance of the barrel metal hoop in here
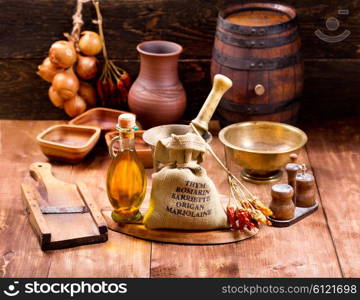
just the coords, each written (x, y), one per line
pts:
(256, 109)
(256, 30)
(257, 43)
(256, 64)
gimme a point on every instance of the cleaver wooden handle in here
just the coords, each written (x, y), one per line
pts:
(220, 85)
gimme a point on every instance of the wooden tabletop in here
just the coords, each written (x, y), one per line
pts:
(325, 244)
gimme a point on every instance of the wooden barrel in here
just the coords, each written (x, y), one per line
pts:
(257, 45)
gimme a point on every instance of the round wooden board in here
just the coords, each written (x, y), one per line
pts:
(176, 236)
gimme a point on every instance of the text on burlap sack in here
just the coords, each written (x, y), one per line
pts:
(190, 200)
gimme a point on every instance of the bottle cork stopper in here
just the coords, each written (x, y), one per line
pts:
(127, 121)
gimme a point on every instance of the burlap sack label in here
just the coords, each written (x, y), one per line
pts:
(191, 200)
(182, 195)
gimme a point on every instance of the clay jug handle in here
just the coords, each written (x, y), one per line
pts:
(220, 85)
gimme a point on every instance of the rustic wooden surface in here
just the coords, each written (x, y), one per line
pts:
(338, 181)
(24, 94)
(325, 244)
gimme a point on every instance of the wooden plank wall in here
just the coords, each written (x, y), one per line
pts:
(332, 71)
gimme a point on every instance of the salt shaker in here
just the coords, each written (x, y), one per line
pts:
(291, 169)
(305, 189)
(282, 205)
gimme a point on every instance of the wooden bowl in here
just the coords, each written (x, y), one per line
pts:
(68, 143)
(143, 150)
(261, 148)
(101, 117)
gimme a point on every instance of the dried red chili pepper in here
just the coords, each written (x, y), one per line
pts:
(103, 91)
(114, 81)
(244, 219)
(120, 84)
(111, 97)
(230, 212)
(112, 86)
(123, 90)
(113, 91)
(125, 78)
(100, 92)
(117, 98)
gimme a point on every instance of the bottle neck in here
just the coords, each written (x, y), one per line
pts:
(127, 140)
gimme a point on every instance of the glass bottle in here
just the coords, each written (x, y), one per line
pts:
(126, 178)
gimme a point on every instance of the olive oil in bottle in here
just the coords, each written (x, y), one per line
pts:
(126, 178)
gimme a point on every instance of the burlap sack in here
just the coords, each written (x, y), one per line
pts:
(182, 195)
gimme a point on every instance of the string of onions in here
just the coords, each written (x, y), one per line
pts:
(69, 64)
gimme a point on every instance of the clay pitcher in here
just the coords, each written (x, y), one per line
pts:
(157, 96)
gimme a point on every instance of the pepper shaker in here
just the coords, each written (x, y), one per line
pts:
(291, 169)
(305, 189)
(282, 205)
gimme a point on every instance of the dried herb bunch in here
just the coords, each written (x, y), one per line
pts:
(244, 210)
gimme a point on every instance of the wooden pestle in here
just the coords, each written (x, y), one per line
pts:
(220, 86)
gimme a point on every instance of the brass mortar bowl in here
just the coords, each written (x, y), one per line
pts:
(261, 148)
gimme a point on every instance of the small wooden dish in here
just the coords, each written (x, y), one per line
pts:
(68, 143)
(143, 150)
(101, 117)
